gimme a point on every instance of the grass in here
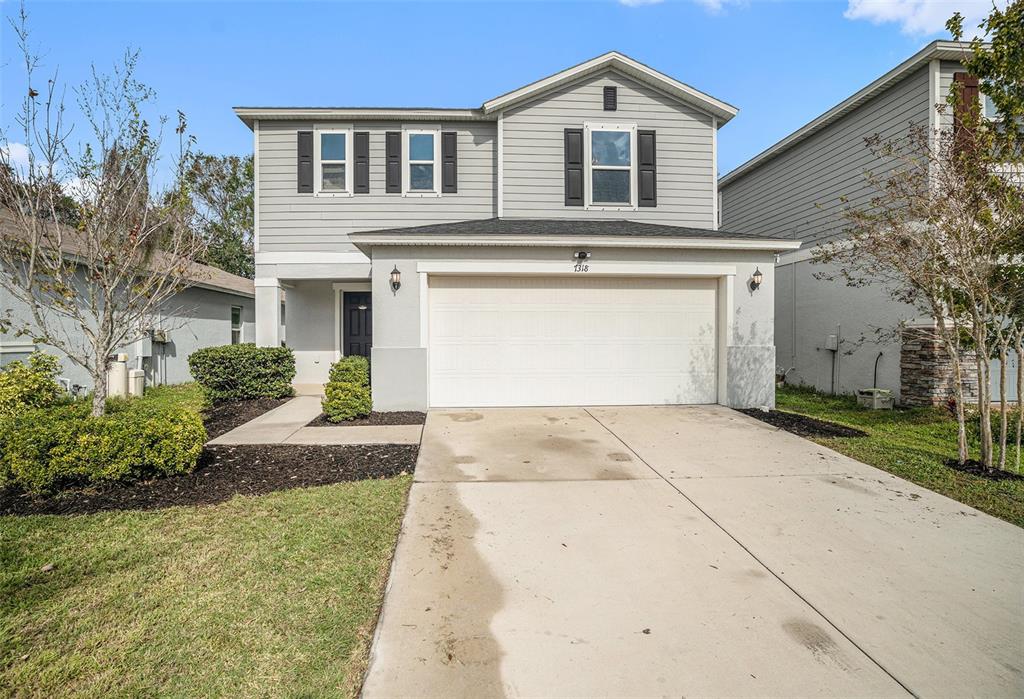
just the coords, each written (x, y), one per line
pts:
(913, 444)
(267, 596)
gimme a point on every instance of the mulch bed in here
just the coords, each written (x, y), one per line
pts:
(225, 471)
(976, 468)
(803, 425)
(396, 417)
(224, 417)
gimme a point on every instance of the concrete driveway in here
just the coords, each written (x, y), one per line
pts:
(686, 552)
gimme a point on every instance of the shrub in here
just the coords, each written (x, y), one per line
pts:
(346, 401)
(32, 385)
(43, 449)
(354, 369)
(240, 372)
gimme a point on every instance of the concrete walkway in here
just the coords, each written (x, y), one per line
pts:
(286, 424)
(686, 551)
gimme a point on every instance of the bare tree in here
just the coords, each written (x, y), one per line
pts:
(96, 278)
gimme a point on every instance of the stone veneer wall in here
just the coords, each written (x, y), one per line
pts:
(926, 374)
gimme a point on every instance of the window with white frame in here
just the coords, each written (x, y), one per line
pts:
(422, 156)
(333, 151)
(611, 158)
(988, 107)
(236, 325)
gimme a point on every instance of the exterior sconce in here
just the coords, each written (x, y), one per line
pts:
(756, 279)
(396, 280)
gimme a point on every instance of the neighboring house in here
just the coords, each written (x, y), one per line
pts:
(556, 246)
(826, 331)
(218, 309)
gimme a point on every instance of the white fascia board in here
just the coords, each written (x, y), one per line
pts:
(299, 258)
(565, 268)
(252, 114)
(627, 65)
(941, 50)
(548, 241)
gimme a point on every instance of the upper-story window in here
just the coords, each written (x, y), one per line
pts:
(422, 155)
(333, 153)
(611, 158)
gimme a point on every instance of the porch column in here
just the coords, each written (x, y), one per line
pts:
(268, 312)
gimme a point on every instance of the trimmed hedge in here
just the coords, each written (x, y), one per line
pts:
(45, 449)
(241, 372)
(354, 369)
(347, 393)
(31, 385)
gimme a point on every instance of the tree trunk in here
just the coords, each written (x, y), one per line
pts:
(984, 403)
(1019, 349)
(953, 350)
(1003, 417)
(99, 382)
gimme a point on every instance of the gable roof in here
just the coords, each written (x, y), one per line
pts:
(942, 50)
(490, 109)
(624, 64)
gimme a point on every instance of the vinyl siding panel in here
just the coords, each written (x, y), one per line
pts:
(303, 222)
(533, 157)
(799, 193)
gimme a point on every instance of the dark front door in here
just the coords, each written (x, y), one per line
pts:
(358, 330)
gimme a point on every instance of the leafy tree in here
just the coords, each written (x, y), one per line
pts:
(222, 193)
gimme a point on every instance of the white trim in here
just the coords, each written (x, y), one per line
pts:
(950, 50)
(267, 281)
(501, 164)
(625, 64)
(17, 348)
(726, 318)
(306, 257)
(424, 309)
(318, 131)
(588, 159)
(407, 161)
(565, 268)
(352, 286)
(577, 241)
(256, 185)
(247, 114)
(714, 174)
(339, 289)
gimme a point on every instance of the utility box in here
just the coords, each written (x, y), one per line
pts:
(875, 398)
(117, 376)
(832, 343)
(144, 346)
(160, 335)
(136, 382)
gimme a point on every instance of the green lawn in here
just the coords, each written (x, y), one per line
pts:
(912, 444)
(268, 596)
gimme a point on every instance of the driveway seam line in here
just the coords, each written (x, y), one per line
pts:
(752, 555)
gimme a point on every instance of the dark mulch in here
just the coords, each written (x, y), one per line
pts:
(803, 425)
(976, 468)
(224, 417)
(395, 417)
(225, 471)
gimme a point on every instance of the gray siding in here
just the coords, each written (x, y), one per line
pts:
(798, 193)
(533, 158)
(289, 221)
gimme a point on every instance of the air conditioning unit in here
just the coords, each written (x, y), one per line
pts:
(160, 335)
(875, 398)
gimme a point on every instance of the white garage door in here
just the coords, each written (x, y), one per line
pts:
(512, 341)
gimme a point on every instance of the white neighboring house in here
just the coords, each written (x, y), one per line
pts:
(792, 190)
(558, 245)
(218, 309)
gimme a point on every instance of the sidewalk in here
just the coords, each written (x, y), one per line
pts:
(287, 425)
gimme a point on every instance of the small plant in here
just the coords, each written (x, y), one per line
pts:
(244, 371)
(354, 369)
(346, 401)
(31, 385)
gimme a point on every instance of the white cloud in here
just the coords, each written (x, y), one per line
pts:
(16, 155)
(921, 17)
(638, 3)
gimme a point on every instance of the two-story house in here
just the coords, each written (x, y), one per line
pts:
(829, 335)
(557, 245)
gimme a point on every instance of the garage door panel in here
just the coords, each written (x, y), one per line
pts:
(571, 341)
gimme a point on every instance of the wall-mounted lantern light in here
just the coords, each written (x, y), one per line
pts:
(396, 280)
(756, 279)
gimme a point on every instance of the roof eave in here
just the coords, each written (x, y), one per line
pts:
(367, 240)
(250, 114)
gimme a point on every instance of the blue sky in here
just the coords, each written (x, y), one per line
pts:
(780, 63)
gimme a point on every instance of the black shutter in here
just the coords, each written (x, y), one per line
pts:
(574, 167)
(611, 98)
(361, 150)
(393, 162)
(647, 168)
(449, 162)
(305, 164)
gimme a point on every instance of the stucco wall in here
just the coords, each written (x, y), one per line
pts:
(309, 328)
(400, 355)
(195, 318)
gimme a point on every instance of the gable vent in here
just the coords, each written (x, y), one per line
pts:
(611, 98)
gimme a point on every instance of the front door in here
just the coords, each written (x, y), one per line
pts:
(358, 323)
